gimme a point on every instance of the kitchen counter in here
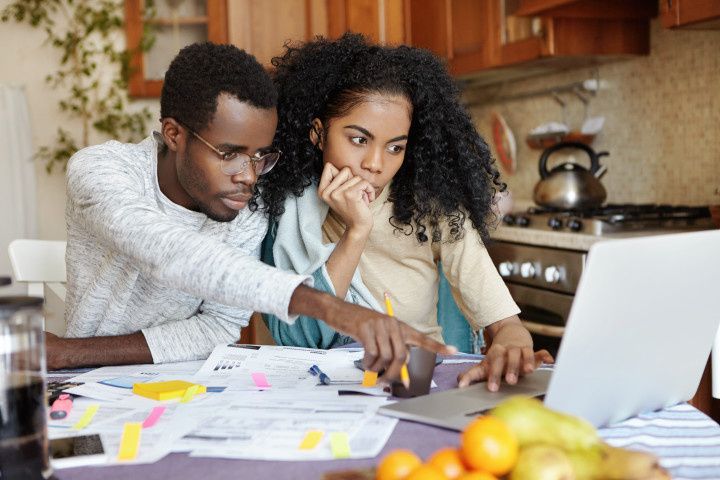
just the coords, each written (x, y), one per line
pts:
(566, 240)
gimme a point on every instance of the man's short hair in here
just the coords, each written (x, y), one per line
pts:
(201, 72)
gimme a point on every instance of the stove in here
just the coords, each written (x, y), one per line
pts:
(613, 218)
(543, 279)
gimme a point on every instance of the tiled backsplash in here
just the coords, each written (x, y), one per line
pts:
(662, 125)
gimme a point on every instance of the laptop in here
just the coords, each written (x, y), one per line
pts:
(637, 339)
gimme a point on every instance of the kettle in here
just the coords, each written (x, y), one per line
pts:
(570, 186)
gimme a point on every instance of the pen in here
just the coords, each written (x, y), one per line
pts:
(404, 374)
(324, 379)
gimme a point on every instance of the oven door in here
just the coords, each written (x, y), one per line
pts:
(544, 313)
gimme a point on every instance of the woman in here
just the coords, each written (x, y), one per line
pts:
(384, 178)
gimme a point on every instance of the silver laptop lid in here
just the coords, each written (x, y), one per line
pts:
(641, 326)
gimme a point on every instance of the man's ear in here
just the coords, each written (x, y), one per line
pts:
(173, 134)
(317, 133)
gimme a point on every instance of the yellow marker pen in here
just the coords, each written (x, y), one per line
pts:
(404, 374)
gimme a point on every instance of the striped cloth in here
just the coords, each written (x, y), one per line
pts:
(686, 440)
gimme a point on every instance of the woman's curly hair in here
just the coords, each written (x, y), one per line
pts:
(448, 171)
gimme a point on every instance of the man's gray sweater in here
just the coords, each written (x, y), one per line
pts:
(136, 261)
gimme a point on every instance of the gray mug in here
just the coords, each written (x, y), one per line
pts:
(420, 367)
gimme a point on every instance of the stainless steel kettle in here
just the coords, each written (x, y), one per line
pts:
(570, 186)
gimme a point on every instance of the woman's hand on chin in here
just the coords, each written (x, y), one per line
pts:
(349, 196)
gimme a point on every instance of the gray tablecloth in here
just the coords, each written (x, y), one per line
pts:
(687, 441)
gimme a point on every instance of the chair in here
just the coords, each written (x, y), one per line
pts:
(41, 264)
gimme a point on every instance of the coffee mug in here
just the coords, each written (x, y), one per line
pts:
(420, 367)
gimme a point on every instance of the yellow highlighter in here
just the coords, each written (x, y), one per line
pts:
(404, 374)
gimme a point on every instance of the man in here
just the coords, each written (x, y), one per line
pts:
(163, 248)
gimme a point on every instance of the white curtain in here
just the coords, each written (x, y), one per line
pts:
(18, 214)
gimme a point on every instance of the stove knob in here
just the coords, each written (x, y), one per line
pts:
(527, 270)
(555, 223)
(574, 224)
(522, 221)
(508, 219)
(506, 269)
(552, 274)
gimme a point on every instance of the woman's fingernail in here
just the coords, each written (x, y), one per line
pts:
(493, 387)
(511, 378)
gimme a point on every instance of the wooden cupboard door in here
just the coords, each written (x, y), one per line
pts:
(691, 13)
(471, 42)
(383, 21)
(262, 27)
(460, 31)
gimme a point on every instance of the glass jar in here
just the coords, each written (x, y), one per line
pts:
(23, 426)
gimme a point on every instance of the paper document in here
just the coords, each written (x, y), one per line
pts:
(260, 402)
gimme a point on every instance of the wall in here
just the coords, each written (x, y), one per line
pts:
(662, 124)
(662, 128)
(26, 60)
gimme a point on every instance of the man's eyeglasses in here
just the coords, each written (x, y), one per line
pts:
(233, 163)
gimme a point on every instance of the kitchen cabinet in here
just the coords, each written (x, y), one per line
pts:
(539, 35)
(262, 27)
(174, 25)
(698, 14)
(383, 21)
(600, 9)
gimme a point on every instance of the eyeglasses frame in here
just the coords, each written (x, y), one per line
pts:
(255, 159)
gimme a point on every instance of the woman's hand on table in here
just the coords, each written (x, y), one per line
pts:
(510, 356)
(504, 361)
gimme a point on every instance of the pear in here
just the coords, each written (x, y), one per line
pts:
(542, 462)
(587, 464)
(533, 423)
(611, 463)
(622, 464)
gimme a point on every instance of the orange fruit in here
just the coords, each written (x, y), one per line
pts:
(488, 444)
(397, 465)
(477, 475)
(426, 472)
(448, 461)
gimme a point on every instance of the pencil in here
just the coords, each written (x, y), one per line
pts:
(404, 374)
(388, 305)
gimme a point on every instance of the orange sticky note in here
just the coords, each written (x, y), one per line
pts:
(369, 379)
(311, 440)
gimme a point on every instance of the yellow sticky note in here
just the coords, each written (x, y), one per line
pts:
(165, 390)
(405, 375)
(369, 379)
(130, 441)
(311, 440)
(190, 393)
(340, 444)
(87, 417)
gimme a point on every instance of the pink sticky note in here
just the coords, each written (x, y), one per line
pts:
(154, 416)
(260, 380)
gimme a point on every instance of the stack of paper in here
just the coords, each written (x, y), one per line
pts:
(255, 402)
